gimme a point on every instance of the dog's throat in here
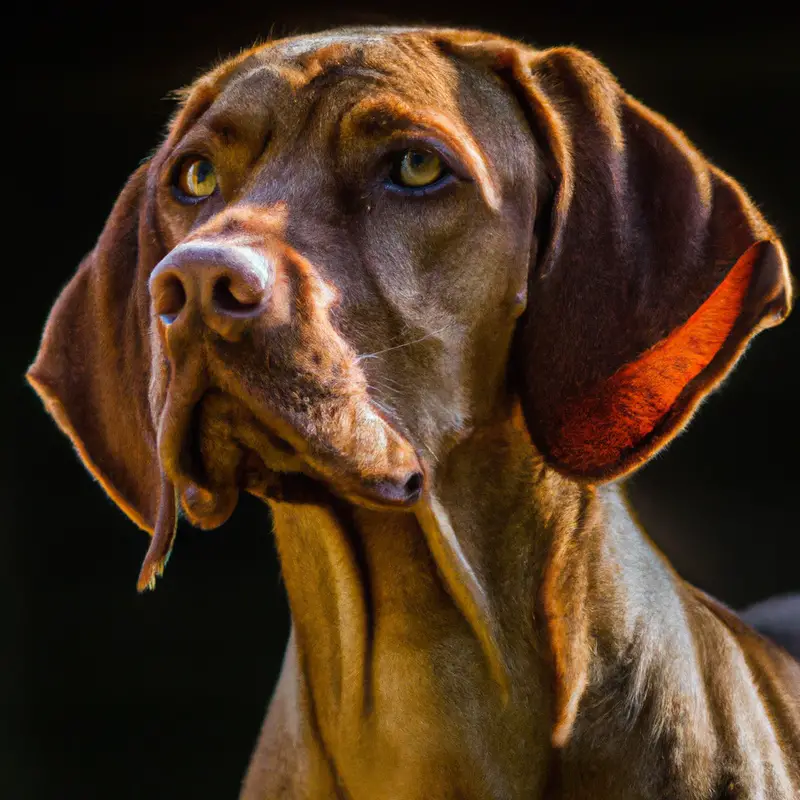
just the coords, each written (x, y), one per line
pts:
(354, 576)
(465, 587)
(329, 590)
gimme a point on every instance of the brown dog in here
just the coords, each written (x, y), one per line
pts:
(427, 292)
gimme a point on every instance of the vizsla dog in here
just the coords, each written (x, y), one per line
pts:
(429, 293)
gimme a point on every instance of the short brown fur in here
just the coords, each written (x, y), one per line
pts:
(514, 341)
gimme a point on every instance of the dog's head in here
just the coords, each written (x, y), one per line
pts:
(354, 248)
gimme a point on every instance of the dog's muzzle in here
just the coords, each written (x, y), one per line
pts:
(250, 343)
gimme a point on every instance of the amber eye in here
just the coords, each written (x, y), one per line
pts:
(417, 168)
(196, 178)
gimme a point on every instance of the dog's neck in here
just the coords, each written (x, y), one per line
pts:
(437, 639)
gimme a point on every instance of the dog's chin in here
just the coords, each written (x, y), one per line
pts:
(226, 450)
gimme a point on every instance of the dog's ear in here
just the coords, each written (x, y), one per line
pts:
(653, 268)
(93, 365)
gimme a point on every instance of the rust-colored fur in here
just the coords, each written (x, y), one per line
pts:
(434, 392)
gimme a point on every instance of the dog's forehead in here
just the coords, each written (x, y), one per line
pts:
(403, 60)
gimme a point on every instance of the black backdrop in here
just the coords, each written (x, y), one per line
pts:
(109, 694)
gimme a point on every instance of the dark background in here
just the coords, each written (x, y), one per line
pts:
(106, 693)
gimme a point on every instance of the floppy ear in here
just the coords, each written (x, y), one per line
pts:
(657, 270)
(653, 270)
(93, 365)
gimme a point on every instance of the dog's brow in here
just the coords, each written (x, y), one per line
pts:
(340, 72)
(388, 114)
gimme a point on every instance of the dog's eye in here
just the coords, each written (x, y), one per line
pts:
(415, 169)
(196, 178)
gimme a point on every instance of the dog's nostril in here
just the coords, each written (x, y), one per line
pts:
(169, 299)
(229, 295)
(413, 486)
(399, 492)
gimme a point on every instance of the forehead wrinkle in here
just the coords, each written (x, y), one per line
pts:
(341, 72)
(198, 98)
(261, 71)
(317, 83)
(324, 92)
(319, 59)
(391, 113)
(325, 70)
(247, 95)
(335, 63)
(210, 85)
(244, 109)
(384, 53)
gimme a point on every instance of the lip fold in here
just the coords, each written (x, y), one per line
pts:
(212, 446)
(207, 503)
(208, 508)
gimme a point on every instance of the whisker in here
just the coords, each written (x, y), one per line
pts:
(388, 382)
(405, 344)
(388, 410)
(433, 455)
(379, 386)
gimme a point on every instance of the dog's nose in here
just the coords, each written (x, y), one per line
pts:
(228, 285)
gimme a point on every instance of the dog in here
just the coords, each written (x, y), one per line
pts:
(429, 293)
